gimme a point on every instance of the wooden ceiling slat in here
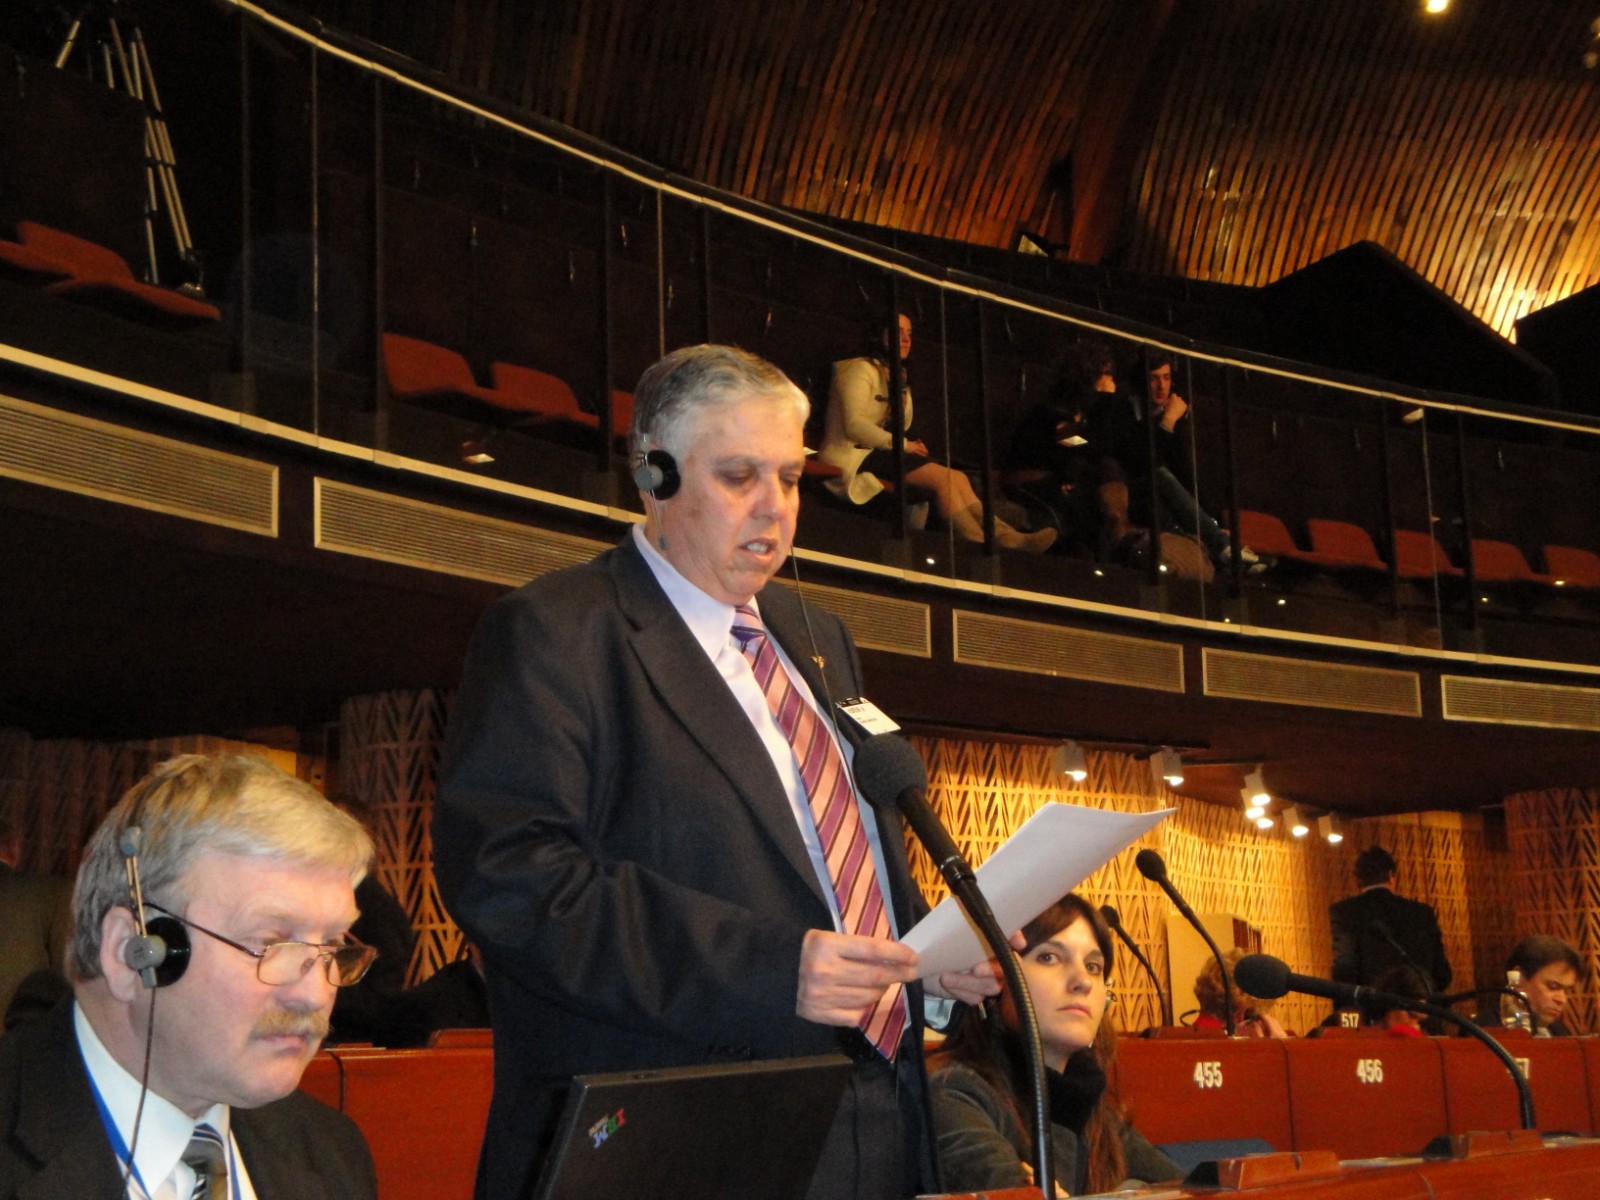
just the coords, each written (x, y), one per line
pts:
(1275, 134)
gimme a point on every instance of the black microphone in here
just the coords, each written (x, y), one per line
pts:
(1268, 977)
(891, 775)
(1154, 868)
(1113, 921)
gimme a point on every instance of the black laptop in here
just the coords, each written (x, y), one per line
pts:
(748, 1131)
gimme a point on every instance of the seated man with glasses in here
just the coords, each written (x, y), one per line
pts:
(210, 929)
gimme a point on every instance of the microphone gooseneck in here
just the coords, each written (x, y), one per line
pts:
(1268, 977)
(1113, 921)
(1381, 927)
(1154, 868)
(891, 775)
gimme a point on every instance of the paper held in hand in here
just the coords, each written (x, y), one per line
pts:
(1056, 849)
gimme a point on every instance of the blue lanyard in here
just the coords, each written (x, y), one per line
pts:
(119, 1145)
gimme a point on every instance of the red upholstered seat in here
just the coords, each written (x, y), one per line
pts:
(1501, 562)
(26, 263)
(429, 373)
(100, 276)
(1206, 1089)
(544, 392)
(1479, 1093)
(1572, 566)
(1341, 544)
(422, 1113)
(1266, 534)
(1420, 556)
(1365, 1097)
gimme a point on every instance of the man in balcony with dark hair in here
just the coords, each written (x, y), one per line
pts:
(1122, 428)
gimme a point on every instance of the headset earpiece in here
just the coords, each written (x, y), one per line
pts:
(160, 953)
(656, 472)
(160, 950)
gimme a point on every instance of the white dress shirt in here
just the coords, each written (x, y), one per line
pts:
(710, 621)
(164, 1130)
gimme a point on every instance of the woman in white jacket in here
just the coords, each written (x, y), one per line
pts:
(858, 439)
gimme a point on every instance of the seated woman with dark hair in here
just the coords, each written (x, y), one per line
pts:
(980, 1074)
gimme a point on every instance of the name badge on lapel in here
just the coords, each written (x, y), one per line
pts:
(867, 716)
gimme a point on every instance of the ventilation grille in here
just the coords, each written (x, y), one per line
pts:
(109, 462)
(875, 622)
(1012, 645)
(1502, 702)
(393, 529)
(1279, 680)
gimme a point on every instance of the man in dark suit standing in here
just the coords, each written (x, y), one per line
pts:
(178, 1059)
(624, 827)
(1375, 930)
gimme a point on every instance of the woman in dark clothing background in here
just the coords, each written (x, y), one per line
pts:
(979, 1078)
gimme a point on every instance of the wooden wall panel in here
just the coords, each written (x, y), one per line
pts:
(58, 790)
(389, 762)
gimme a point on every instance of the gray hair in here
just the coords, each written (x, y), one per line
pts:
(197, 804)
(698, 379)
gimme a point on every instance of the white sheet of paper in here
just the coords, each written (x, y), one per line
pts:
(1056, 849)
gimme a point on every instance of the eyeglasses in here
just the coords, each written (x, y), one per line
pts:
(280, 963)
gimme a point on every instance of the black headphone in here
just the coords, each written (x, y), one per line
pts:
(160, 950)
(656, 472)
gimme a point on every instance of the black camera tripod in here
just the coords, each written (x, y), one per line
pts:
(117, 55)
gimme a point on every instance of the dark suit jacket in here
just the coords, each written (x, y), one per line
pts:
(1361, 953)
(54, 1147)
(610, 831)
(37, 925)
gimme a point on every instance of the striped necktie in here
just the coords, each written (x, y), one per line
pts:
(204, 1154)
(833, 808)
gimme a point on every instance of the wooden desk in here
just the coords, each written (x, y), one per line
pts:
(1560, 1172)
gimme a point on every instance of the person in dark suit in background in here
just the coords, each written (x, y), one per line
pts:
(180, 1054)
(623, 828)
(37, 919)
(1375, 929)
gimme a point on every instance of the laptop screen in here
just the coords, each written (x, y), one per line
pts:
(723, 1132)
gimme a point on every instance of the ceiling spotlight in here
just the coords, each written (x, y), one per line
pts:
(1263, 822)
(1070, 760)
(1166, 767)
(1255, 788)
(1294, 822)
(1434, 7)
(1328, 827)
(1254, 807)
